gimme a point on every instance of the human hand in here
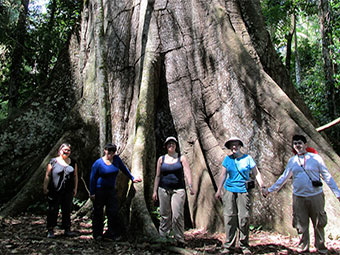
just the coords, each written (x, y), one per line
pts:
(137, 179)
(264, 192)
(154, 196)
(45, 190)
(218, 195)
(92, 197)
(192, 192)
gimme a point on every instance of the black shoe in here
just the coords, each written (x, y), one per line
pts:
(69, 233)
(98, 238)
(181, 243)
(109, 237)
(119, 239)
(50, 234)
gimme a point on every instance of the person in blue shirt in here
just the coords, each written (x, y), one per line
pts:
(102, 192)
(236, 199)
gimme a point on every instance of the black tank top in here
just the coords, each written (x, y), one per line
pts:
(172, 175)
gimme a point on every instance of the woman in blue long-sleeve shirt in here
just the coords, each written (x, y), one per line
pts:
(102, 192)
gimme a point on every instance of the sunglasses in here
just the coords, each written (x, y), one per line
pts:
(66, 150)
(297, 143)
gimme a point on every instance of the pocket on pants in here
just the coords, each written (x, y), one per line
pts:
(297, 223)
(322, 219)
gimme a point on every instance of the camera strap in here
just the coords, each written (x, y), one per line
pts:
(239, 170)
(304, 167)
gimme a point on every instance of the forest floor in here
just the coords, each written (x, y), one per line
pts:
(26, 234)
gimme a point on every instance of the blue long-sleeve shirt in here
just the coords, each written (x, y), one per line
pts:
(104, 176)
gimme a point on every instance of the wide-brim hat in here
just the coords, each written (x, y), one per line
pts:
(170, 138)
(233, 139)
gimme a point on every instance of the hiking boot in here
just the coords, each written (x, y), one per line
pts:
(246, 251)
(322, 251)
(50, 234)
(69, 233)
(181, 243)
(98, 238)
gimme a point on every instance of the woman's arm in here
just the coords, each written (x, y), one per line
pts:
(187, 173)
(75, 179)
(93, 179)
(157, 178)
(47, 178)
(258, 176)
(222, 178)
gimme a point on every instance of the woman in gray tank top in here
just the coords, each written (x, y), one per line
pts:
(60, 186)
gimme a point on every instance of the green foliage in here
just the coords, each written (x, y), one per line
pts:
(77, 203)
(46, 35)
(309, 48)
(156, 213)
(255, 228)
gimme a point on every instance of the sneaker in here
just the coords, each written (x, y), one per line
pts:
(323, 251)
(69, 233)
(246, 251)
(119, 239)
(98, 238)
(301, 250)
(108, 236)
(50, 234)
(181, 243)
(226, 251)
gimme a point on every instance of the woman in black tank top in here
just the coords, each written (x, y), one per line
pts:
(169, 189)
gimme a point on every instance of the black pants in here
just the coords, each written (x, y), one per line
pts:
(107, 198)
(56, 200)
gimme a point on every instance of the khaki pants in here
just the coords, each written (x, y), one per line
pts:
(171, 203)
(313, 208)
(236, 217)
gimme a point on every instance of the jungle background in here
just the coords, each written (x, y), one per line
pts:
(35, 40)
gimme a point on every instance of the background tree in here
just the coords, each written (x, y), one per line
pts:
(138, 71)
(16, 58)
(36, 48)
(315, 64)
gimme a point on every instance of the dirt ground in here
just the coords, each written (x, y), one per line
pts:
(26, 234)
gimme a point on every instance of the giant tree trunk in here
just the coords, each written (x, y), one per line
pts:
(200, 70)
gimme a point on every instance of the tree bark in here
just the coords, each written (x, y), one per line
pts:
(46, 55)
(200, 70)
